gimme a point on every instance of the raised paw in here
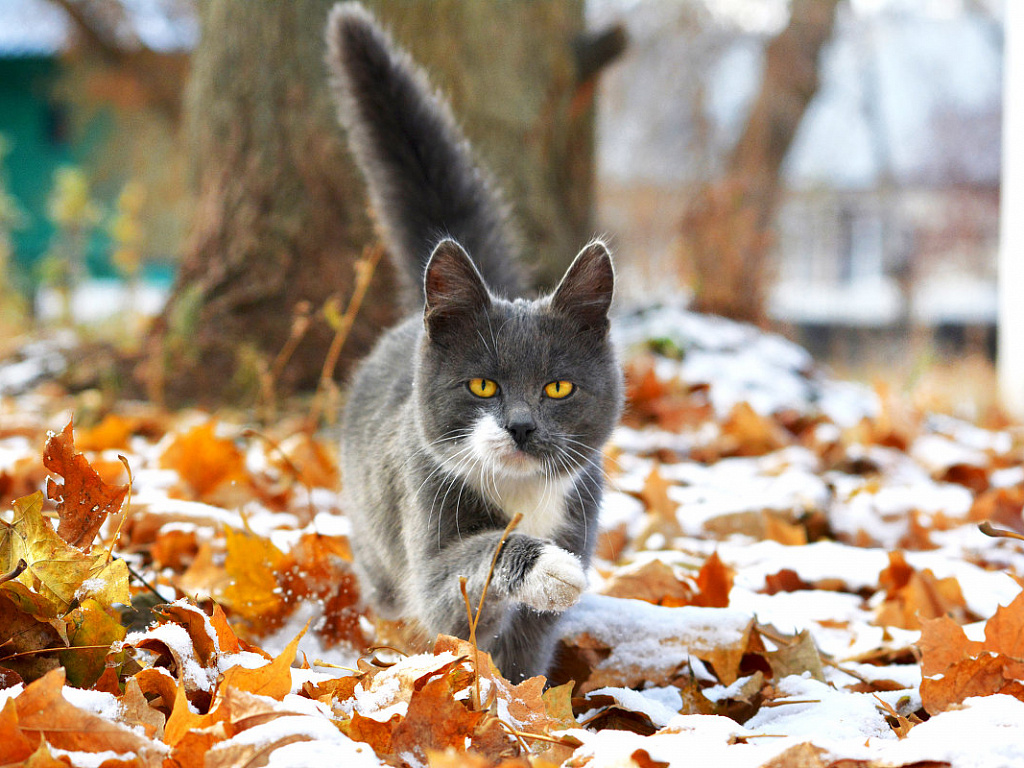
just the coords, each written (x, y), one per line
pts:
(555, 582)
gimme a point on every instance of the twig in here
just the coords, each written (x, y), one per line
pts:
(127, 506)
(787, 702)
(301, 321)
(16, 572)
(143, 582)
(474, 620)
(364, 269)
(989, 530)
(55, 650)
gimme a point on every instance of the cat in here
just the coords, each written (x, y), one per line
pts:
(477, 406)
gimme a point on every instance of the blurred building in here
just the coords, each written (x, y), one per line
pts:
(889, 221)
(69, 98)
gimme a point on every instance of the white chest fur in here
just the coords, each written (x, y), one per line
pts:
(511, 485)
(541, 501)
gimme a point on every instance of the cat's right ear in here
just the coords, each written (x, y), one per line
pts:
(453, 288)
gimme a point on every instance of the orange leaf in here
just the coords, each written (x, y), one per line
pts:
(979, 676)
(1004, 632)
(14, 746)
(45, 713)
(204, 460)
(84, 499)
(273, 679)
(942, 644)
(714, 583)
(435, 721)
(182, 719)
(653, 581)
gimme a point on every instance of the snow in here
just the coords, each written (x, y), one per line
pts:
(738, 363)
(638, 632)
(314, 741)
(661, 705)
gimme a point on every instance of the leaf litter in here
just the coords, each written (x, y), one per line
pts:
(790, 572)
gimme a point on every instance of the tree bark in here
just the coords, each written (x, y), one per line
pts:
(727, 231)
(281, 215)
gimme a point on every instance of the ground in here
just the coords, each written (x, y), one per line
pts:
(792, 571)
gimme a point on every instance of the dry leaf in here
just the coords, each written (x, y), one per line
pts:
(204, 461)
(83, 499)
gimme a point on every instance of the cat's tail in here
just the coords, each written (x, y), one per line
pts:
(423, 182)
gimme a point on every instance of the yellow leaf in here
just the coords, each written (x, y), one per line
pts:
(251, 564)
(89, 624)
(56, 570)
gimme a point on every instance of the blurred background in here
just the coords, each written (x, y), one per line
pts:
(829, 169)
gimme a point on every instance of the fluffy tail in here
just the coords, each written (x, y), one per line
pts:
(423, 182)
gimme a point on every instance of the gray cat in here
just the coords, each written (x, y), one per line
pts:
(478, 406)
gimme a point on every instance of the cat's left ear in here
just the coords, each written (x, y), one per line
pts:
(585, 292)
(452, 287)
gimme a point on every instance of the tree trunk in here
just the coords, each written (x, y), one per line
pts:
(727, 230)
(281, 215)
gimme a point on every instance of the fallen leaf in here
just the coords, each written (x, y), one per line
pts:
(204, 461)
(14, 745)
(253, 592)
(652, 581)
(273, 679)
(83, 499)
(89, 624)
(714, 582)
(43, 712)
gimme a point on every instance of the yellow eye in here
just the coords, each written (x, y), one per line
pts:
(483, 387)
(559, 389)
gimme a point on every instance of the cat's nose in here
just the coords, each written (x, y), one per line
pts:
(521, 428)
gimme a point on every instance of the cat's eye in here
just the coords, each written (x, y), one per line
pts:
(483, 387)
(559, 389)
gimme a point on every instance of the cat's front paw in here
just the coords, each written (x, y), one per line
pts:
(555, 582)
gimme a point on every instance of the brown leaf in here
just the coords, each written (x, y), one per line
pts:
(83, 500)
(797, 657)
(786, 580)
(136, 711)
(644, 760)
(803, 755)
(1004, 632)
(913, 595)
(748, 433)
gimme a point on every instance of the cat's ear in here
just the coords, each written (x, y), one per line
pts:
(453, 288)
(585, 292)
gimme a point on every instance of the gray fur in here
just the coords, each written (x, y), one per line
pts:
(433, 473)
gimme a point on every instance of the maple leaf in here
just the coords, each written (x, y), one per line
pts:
(83, 499)
(748, 433)
(912, 595)
(89, 624)
(273, 679)
(714, 582)
(253, 592)
(972, 668)
(56, 572)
